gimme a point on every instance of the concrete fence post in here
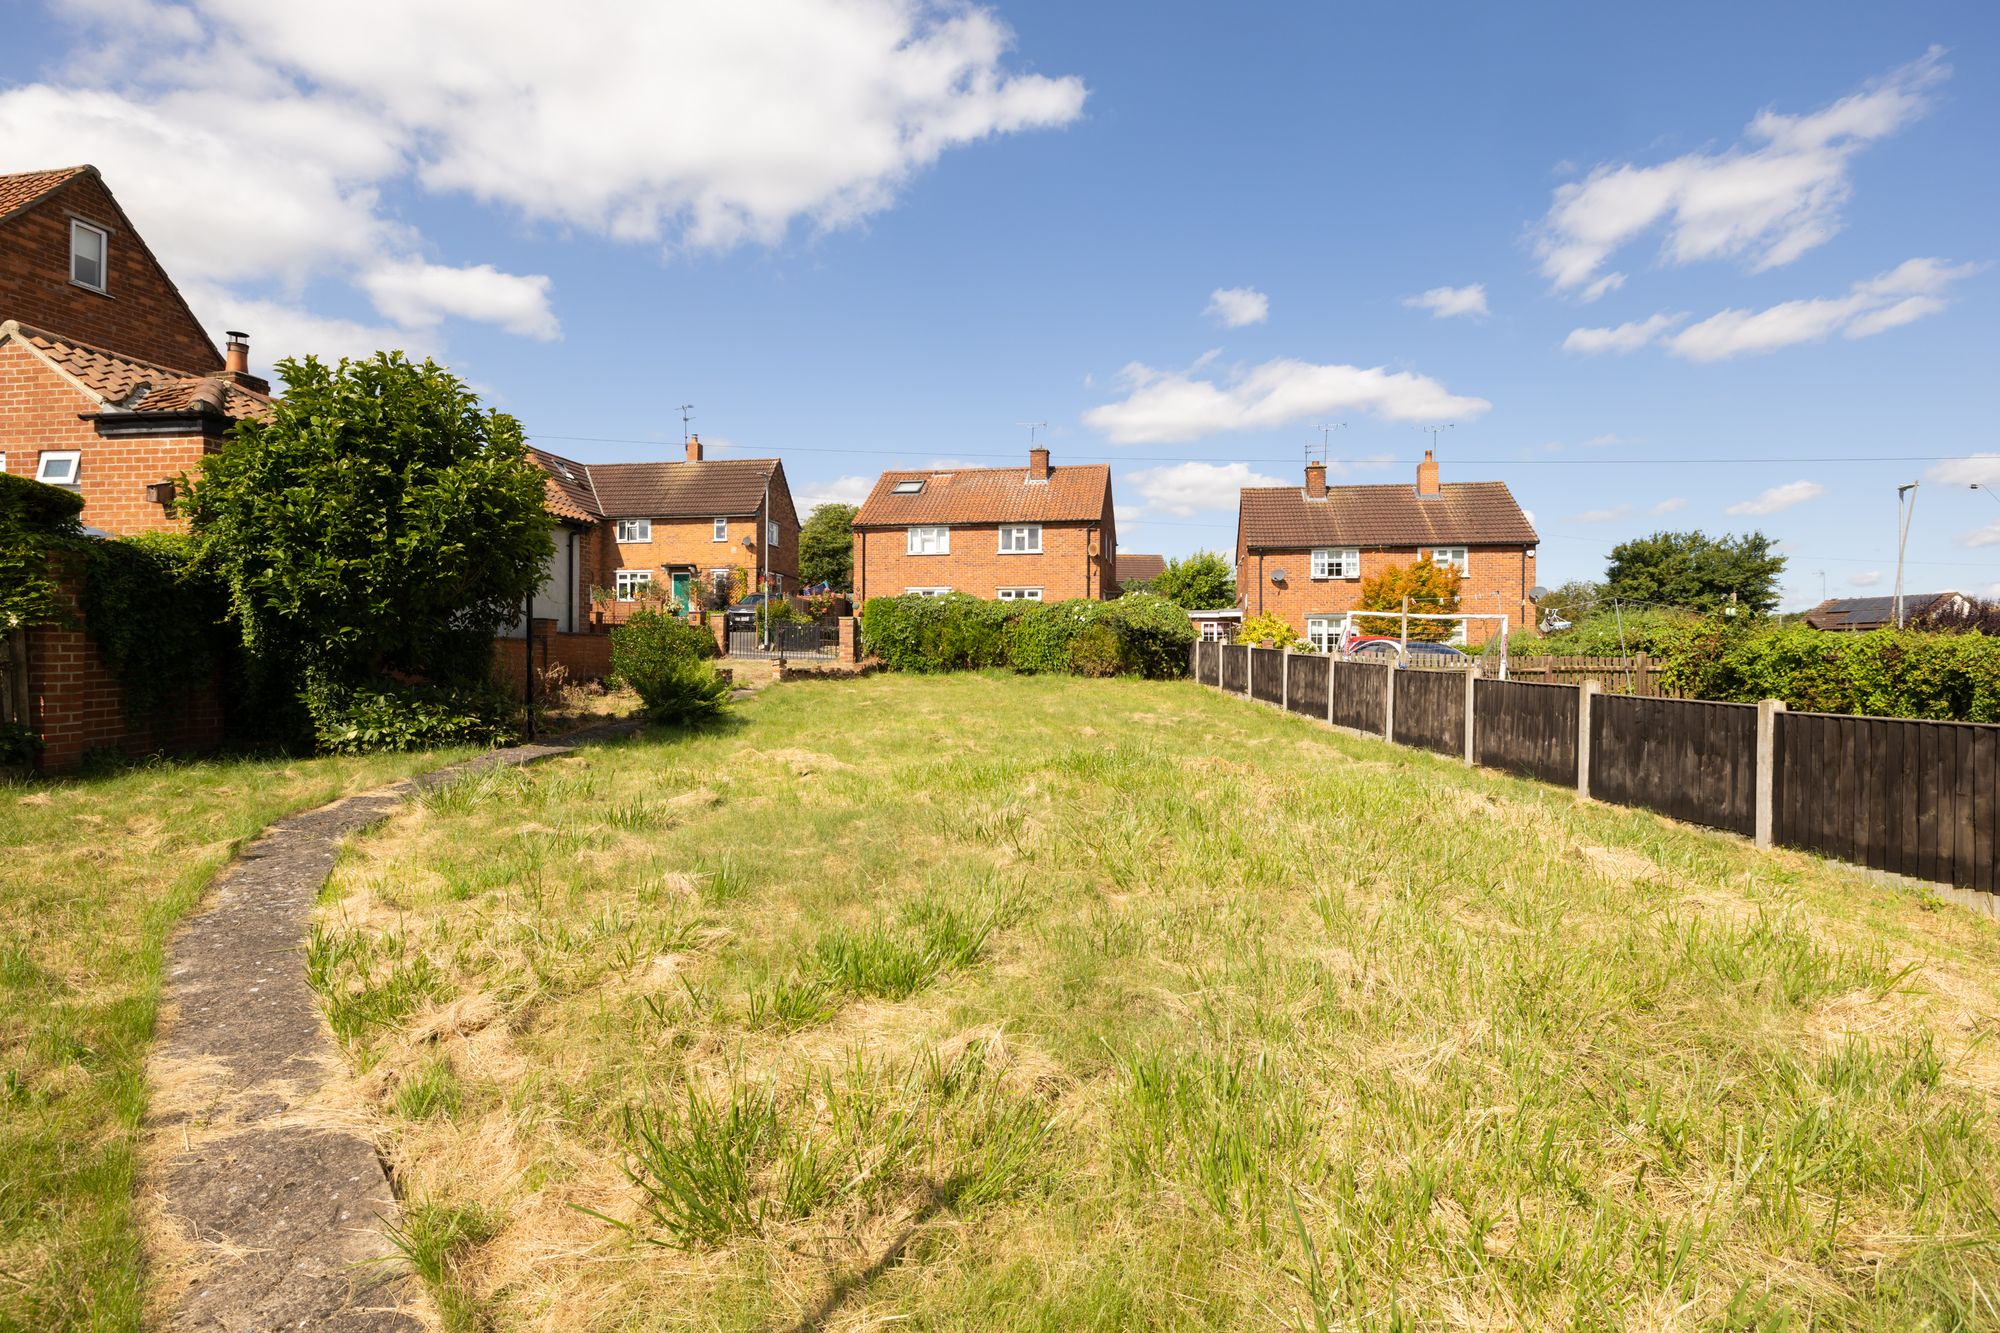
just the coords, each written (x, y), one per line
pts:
(1767, 768)
(1585, 693)
(1285, 684)
(1471, 676)
(1389, 702)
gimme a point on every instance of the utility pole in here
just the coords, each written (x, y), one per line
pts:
(1906, 508)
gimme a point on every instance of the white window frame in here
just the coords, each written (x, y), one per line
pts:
(1018, 594)
(908, 486)
(720, 532)
(1323, 632)
(626, 581)
(1212, 631)
(1336, 562)
(1033, 535)
(632, 531)
(920, 537)
(103, 255)
(770, 532)
(1458, 557)
(74, 457)
(926, 592)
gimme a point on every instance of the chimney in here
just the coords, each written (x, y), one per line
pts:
(1315, 481)
(236, 364)
(694, 448)
(1427, 475)
(1038, 464)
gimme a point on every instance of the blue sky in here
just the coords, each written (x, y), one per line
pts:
(1671, 266)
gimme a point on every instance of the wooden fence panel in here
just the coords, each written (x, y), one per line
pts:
(1235, 667)
(1915, 798)
(1357, 694)
(1267, 675)
(1688, 760)
(1638, 674)
(1307, 694)
(1526, 728)
(1208, 661)
(1430, 710)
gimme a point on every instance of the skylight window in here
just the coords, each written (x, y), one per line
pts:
(909, 487)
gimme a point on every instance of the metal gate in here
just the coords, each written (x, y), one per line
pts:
(14, 678)
(792, 642)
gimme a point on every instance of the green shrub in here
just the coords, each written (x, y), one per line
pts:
(155, 615)
(1040, 634)
(390, 715)
(1270, 628)
(949, 633)
(1096, 651)
(1887, 673)
(35, 521)
(1154, 635)
(1610, 634)
(666, 661)
(19, 745)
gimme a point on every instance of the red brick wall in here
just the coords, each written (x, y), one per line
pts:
(77, 706)
(1066, 566)
(38, 410)
(1497, 585)
(139, 313)
(584, 656)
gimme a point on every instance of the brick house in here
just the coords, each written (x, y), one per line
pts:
(108, 384)
(665, 526)
(1037, 533)
(1139, 568)
(1302, 551)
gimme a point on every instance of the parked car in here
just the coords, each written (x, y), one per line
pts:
(1375, 649)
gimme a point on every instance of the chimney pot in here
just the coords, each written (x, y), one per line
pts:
(694, 449)
(236, 358)
(1038, 464)
(1316, 481)
(1427, 475)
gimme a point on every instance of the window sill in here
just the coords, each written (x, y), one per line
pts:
(94, 291)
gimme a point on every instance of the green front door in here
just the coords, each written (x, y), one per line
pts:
(681, 590)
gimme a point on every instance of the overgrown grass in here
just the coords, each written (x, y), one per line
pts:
(975, 1001)
(94, 873)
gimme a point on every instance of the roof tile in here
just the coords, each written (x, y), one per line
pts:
(714, 488)
(22, 188)
(1466, 513)
(1074, 494)
(123, 384)
(1139, 568)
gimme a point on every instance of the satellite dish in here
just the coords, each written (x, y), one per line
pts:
(1278, 575)
(1536, 593)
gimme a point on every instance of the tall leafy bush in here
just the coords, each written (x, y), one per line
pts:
(1138, 634)
(665, 661)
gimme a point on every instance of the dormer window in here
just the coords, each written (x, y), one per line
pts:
(909, 487)
(88, 248)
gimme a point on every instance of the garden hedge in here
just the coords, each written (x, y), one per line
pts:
(1139, 634)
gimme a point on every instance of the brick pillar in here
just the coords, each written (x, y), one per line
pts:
(850, 639)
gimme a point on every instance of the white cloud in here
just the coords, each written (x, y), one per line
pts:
(1866, 579)
(254, 143)
(1623, 338)
(1444, 302)
(1980, 469)
(1889, 300)
(1170, 406)
(1779, 498)
(1766, 200)
(848, 490)
(1986, 536)
(1610, 282)
(1611, 515)
(1184, 489)
(1606, 440)
(419, 295)
(1670, 504)
(1237, 306)
(278, 330)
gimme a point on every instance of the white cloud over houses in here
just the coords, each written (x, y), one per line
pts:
(254, 144)
(1236, 307)
(1779, 498)
(1608, 515)
(1866, 579)
(1980, 469)
(1765, 200)
(1628, 337)
(1986, 536)
(1912, 290)
(1185, 489)
(1445, 302)
(1168, 406)
(847, 490)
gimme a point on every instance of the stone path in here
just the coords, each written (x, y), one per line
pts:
(266, 1205)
